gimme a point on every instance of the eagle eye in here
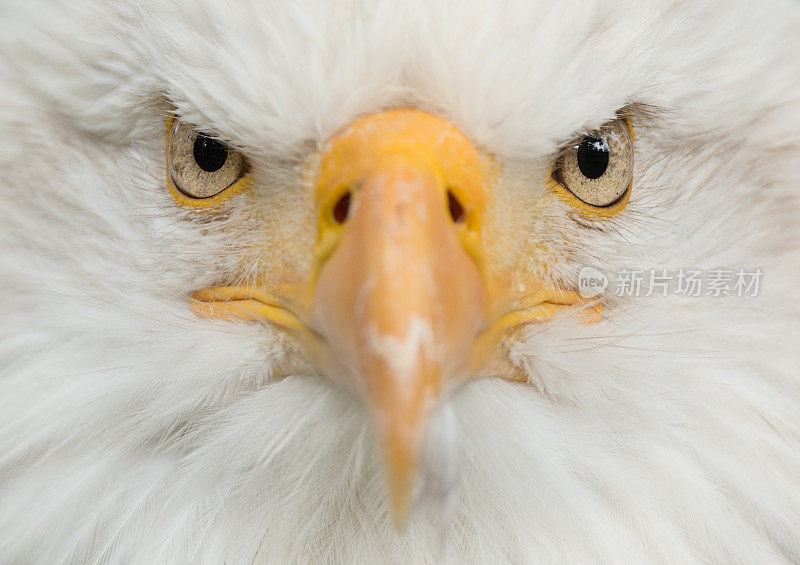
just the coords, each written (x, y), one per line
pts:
(200, 166)
(598, 168)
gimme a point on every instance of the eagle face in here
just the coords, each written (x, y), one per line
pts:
(308, 282)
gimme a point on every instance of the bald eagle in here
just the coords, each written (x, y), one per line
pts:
(413, 282)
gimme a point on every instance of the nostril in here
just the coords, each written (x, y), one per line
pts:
(342, 208)
(456, 209)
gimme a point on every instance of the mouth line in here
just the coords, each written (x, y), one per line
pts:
(252, 304)
(534, 308)
(244, 303)
(543, 305)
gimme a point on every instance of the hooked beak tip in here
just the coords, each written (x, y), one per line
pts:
(400, 455)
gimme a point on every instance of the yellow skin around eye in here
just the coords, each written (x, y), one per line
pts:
(587, 210)
(592, 212)
(199, 203)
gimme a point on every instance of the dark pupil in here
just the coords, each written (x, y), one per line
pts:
(209, 154)
(593, 157)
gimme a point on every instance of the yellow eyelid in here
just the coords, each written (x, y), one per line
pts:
(199, 203)
(588, 210)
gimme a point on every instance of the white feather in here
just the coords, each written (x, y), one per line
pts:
(131, 431)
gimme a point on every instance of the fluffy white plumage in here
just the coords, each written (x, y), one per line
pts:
(130, 430)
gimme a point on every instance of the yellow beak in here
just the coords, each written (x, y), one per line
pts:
(399, 300)
(402, 304)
